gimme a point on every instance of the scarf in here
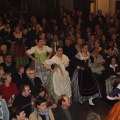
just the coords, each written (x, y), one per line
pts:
(38, 112)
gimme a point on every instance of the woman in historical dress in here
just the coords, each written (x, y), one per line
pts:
(41, 53)
(58, 81)
(84, 84)
(18, 47)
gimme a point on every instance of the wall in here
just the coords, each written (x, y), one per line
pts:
(41, 7)
(106, 5)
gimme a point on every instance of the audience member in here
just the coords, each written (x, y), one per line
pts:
(41, 91)
(24, 99)
(8, 64)
(93, 116)
(4, 112)
(31, 80)
(19, 75)
(1, 74)
(41, 112)
(18, 113)
(8, 89)
(64, 110)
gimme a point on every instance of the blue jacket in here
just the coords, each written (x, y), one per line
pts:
(5, 109)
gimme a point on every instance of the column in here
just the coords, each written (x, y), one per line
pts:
(112, 6)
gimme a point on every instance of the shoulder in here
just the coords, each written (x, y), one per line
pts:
(65, 57)
(32, 115)
(2, 86)
(13, 84)
(3, 101)
(37, 79)
(57, 109)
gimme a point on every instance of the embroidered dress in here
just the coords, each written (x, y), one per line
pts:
(41, 56)
(59, 82)
(18, 49)
(83, 82)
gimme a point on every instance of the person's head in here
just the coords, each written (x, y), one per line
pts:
(41, 103)
(71, 30)
(17, 29)
(97, 27)
(92, 38)
(99, 12)
(84, 48)
(90, 17)
(68, 41)
(103, 38)
(64, 101)
(55, 37)
(42, 35)
(25, 90)
(44, 21)
(93, 116)
(6, 78)
(111, 43)
(78, 35)
(80, 41)
(64, 20)
(59, 50)
(109, 50)
(96, 51)
(114, 36)
(18, 113)
(33, 19)
(3, 48)
(1, 23)
(97, 44)
(8, 58)
(1, 71)
(55, 28)
(37, 27)
(39, 91)
(113, 60)
(40, 42)
(30, 73)
(20, 68)
(48, 35)
(7, 25)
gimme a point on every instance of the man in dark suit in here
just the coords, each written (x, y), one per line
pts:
(31, 80)
(64, 110)
(55, 43)
(90, 43)
(8, 64)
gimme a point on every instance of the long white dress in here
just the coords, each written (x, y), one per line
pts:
(58, 82)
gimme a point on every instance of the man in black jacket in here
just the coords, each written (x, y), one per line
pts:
(24, 99)
(31, 79)
(64, 110)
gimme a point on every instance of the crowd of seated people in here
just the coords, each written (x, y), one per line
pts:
(42, 59)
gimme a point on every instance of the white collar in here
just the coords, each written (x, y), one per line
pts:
(81, 57)
(112, 66)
